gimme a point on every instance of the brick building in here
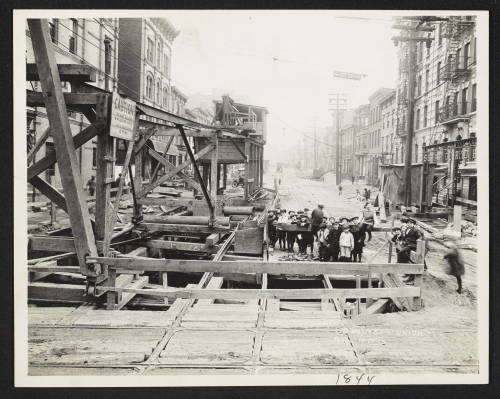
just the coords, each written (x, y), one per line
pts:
(444, 108)
(92, 41)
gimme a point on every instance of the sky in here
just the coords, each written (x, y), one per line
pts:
(284, 60)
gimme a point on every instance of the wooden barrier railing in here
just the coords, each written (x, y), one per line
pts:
(134, 265)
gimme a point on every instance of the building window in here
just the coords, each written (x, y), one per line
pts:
(417, 120)
(440, 38)
(73, 38)
(165, 97)
(149, 87)
(54, 29)
(419, 86)
(158, 55)
(416, 152)
(425, 116)
(165, 65)
(459, 61)
(149, 51)
(107, 63)
(158, 93)
(474, 100)
(475, 47)
(436, 113)
(466, 54)
(438, 72)
(464, 101)
(427, 80)
(94, 157)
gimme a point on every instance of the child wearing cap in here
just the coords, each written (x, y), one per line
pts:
(280, 233)
(346, 243)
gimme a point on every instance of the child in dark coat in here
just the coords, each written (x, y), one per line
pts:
(456, 265)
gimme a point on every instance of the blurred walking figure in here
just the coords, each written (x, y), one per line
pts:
(340, 189)
(456, 265)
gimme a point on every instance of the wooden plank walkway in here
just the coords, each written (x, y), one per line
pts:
(219, 337)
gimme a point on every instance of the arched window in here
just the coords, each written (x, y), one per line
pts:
(158, 93)
(149, 86)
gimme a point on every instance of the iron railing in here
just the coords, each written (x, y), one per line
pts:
(454, 110)
(464, 151)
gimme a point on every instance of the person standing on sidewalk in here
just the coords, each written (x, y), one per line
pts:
(322, 242)
(340, 189)
(346, 243)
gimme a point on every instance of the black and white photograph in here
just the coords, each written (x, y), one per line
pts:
(251, 197)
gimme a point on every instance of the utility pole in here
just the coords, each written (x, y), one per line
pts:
(337, 101)
(412, 39)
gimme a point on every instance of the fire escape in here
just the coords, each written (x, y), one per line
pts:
(456, 68)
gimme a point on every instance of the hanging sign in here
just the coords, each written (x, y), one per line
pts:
(122, 117)
(348, 75)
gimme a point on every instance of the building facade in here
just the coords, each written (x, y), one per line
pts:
(361, 125)
(375, 134)
(91, 41)
(144, 75)
(388, 129)
(445, 107)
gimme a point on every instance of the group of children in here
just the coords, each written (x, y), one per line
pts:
(339, 239)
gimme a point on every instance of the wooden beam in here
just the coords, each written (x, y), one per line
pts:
(113, 213)
(378, 306)
(167, 201)
(174, 171)
(212, 239)
(48, 267)
(211, 206)
(174, 132)
(54, 244)
(104, 179)
(190, 181)
(80, 139)
(182, 228)
(164, 154)
(300, 268)
(57, 292)
(180, 246)
(67, 72)
(50, 192)
(139, 145)
(36, 99)
(214, 183)
(314, 293)
(127, 297)
(43, 138)
(69, 168)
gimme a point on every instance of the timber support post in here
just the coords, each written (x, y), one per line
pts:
(71, 178)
